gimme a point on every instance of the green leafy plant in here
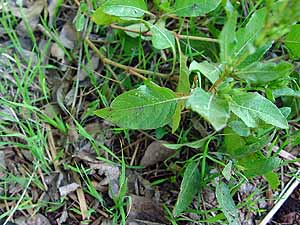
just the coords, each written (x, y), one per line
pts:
(235, 94)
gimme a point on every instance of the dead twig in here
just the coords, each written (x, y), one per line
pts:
(129, 69)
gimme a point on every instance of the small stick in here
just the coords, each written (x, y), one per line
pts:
(180, 36)
(81, 197)
(292, 185)
(287, 191)
(121, 66)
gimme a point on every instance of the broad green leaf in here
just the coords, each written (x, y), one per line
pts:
(239, 127)
(79, 22)
(282, 22)
(239, 147)
(293, 41)
(227, 171)
(125, 8)
(228, 39)
(226, 204)
(101, 18)
(183, 87)
(210, 71)
(147, 107)
(285, 92)
(177, 115)
(111, 11)
(212, 108)
(184, 82)
(192, 8)
(256, 165)
(272, 179)
(161, 37)
(190, 186)
(246, 36)
(194, 144)
(250, 107)
(138, 27)
(163, 5)
(263, 73)
(255, 57)
(286, 111)
(294, 138)
(233, 141)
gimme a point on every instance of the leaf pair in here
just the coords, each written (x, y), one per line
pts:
(151, 106)
(251, 108)
(234, 44)
(190, 186)
(243, 48)
(132, 10)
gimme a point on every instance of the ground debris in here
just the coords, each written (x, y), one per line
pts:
(145, 211)
(38, 219)
(66, 189)
(111, 173)
(155, 153)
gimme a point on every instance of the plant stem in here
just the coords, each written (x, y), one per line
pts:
(135, 71)
(180, 36)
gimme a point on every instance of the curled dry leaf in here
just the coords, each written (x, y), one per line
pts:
(6, 113)
(112, 174)
(92, 66)
(29, 56)
(57, 52)
(106, 222)
(44, 49)
(100, 131)
(38, 219)
(51, 110)
(69, 97)
(67, 189)
(68, 36)
(145, 211)
(60, 95)
(52, 7)
(64, 216)
(2, 163)
(31, 14)
(155, 153)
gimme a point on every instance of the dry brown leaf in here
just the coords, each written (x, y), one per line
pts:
(51, 110)
(106, 222)
(67, 189)
(64, 216)
(52, 7)
(29, 56)
(100, 131)
(30, 14)
(60, 93)
(112, 174)
(6, 113)
(57, 52)
(81, 198)
(68, 36)
(69, 97)
(21, 28)
(73, 134)
(92, 66)
(38, 219)
(146, 211)
(155, 153)
(44, 49)
(28, 10)
(2, 163)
